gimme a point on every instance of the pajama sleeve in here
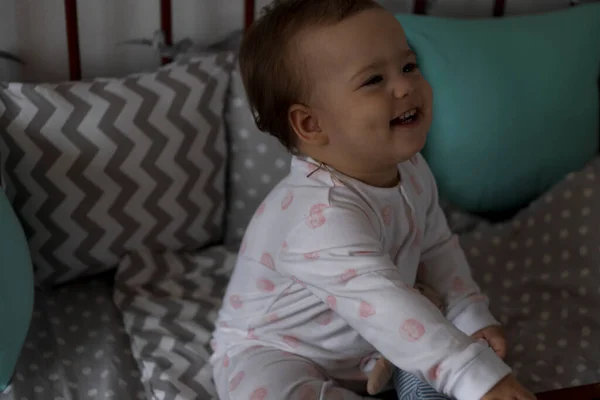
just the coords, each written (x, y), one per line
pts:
(445, 269)
(336, 253)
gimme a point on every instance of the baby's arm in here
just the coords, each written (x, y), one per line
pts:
(445, 269)
(337, 255)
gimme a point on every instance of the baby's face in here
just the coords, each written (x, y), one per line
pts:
(369, 95)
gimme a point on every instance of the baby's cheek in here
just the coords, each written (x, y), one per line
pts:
(426, 92)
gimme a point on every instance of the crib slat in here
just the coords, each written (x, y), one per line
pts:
(72, 30)
(249, 8)
(166, 24)
(420, 7)
(499, 6)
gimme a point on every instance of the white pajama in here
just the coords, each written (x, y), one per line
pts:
(261, 373)
(326, 272)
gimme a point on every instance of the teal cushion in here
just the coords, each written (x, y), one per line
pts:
(515, 102)
(16, 290)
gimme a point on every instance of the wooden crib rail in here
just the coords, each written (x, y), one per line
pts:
(166, 25)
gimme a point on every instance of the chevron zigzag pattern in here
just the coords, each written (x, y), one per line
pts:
(169, 302)
(98, 168)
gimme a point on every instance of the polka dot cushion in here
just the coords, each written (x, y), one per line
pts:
(257, 162)
(76, 348)
(541, 270)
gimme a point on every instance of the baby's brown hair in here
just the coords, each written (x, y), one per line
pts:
(272, 76)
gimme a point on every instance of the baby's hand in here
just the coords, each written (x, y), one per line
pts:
(495, 337)
(379, 376)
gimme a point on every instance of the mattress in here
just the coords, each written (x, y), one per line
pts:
(148, 335)
(76, 348)
(541, 270)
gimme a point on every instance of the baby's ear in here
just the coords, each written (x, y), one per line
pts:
(305, 124)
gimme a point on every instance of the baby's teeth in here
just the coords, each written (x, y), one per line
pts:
(407, 115)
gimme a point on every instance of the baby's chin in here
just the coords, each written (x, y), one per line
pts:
(409, 144)
(410, 139)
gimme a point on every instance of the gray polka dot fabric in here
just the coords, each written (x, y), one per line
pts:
(257, 162)
(541, 270)
(76, 348)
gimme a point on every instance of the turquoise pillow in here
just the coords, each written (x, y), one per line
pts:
(515, 102)
(16, 290)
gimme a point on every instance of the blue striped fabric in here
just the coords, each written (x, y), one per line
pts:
(409, 387)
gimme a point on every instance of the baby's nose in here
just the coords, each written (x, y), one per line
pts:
(402, 87)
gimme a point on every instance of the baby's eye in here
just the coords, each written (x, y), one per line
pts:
(373, 80)
(410, 67)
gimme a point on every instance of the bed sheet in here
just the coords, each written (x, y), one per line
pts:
(76, 348)
(541, 270)
(169, 303)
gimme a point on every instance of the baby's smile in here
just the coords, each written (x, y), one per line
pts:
(406, 119)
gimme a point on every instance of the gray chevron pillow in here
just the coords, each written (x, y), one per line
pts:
(183, 291)
(96, 169)
(257, 160)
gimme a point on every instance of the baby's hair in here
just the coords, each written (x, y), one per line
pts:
(273, 77)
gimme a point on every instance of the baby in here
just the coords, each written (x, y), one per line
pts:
(324, 281)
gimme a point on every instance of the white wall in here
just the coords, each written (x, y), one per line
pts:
(7, 37)
(35, 30)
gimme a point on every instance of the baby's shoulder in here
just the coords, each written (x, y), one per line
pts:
(299, 196)
(289, 202)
